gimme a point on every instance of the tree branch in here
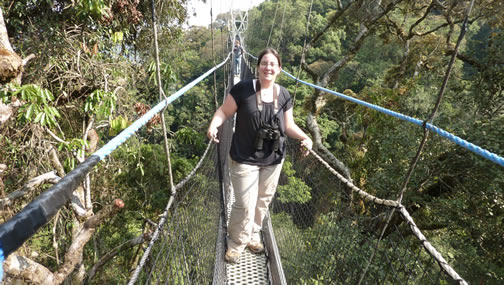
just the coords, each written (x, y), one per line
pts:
(28, 58)
(77, 197)
(74, 254)
(26, 269)
(431, 6)
(330, 23)
(480, 67)
(107, 257)
(49, 177)
(3, 167)
(20, 266)
(333, 71)
(55, 136)
(318, 145)
(53, 157)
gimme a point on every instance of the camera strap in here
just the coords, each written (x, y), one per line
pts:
(259, 100)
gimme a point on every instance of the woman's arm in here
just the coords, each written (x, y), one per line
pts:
(223, 113)
(293, 131)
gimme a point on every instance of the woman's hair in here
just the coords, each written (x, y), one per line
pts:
(273, 52)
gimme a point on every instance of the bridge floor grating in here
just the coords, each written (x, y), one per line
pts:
(251, 268)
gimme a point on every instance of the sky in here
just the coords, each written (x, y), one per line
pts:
(202, 10)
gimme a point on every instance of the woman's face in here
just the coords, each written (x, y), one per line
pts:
(268, 67)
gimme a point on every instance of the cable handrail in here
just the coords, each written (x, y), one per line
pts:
(366, 196)
(129, 131)
(461, 142)
(19, 228)
(409, 220)
(396, 204)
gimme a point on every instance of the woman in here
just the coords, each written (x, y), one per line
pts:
(263, 118)
(237, 53)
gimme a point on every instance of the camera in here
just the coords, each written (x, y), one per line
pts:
(270, 133)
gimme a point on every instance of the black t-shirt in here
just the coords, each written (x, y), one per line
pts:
(248, 121)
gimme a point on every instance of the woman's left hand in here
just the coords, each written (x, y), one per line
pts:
(306, 146)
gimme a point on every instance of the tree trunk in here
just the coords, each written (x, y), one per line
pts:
(4, 37)
(11, 64)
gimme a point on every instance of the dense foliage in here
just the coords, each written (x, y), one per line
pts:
(94, 70)
(398, 61)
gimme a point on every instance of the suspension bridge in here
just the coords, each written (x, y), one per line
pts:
(188, 245)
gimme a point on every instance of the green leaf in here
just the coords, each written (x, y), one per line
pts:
(124, 123)
(43, 119)
(29, 111)
(55, 112)
(39, 117)
(117, 37)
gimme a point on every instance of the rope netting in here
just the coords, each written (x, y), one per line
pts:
(189, 243)
(184, 250)
(324, 236)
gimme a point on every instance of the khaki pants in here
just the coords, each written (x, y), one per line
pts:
(254, 187)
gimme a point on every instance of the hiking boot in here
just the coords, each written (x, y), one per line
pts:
(232, 256)
(256, 247)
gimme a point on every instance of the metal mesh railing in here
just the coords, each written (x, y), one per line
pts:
(185, 251)
(325, 235)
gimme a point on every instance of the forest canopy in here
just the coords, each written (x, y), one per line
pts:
(74, 74)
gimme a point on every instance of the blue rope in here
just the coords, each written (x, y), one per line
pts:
(2, 259)
(42, 203)
(129, 131)
(461, 142)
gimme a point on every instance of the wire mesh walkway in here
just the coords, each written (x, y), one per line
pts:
(252, 268)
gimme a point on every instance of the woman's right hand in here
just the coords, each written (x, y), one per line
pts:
(306, 146)
(212, 134)
(225, 111)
